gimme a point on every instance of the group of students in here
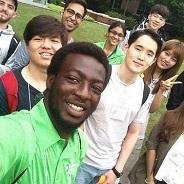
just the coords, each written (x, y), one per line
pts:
(66, 85)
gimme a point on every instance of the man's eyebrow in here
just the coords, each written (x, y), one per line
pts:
(143, 47)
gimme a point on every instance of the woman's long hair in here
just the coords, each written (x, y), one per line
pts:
(172, 123)
(177, 47)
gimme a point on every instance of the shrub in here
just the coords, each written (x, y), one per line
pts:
(88, 18)
(55, 8)
(114, 14)
(130, 22)
(56, 2)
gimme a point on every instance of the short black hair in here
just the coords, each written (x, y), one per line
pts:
(81, 2)
(138, 33)
(15, 3)
(118, 24)
(84, 48)
(161, 10)
(45, 25)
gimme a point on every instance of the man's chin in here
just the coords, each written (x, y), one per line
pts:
(69, 127)
(70, 30)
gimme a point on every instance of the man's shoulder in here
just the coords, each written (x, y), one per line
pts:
(20, 118)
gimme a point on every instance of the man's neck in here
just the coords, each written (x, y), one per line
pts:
(125, 75)
(3, 26)
(61, 133)
(70, 38)
(35, 77)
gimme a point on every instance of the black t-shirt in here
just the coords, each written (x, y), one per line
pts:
(176, 96)
(27, 95)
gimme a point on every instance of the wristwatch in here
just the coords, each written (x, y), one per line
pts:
(117, 173)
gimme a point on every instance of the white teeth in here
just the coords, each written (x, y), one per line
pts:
(76, 108)
(45, 54)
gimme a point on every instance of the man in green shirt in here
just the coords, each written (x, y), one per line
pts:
(44, 145)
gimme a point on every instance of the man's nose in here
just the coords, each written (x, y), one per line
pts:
(46, 43)
(73, 17)
(141, 56)
(83, 91)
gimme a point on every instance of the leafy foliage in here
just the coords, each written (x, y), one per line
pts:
(99, 5)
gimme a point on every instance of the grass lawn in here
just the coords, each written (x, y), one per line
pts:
(88, 31)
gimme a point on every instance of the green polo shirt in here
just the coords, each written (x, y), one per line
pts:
(116, 57)
(29, 140)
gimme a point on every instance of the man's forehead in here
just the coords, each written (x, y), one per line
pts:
(8, 2)
(78, 8)
(146, 42)
(158, 15)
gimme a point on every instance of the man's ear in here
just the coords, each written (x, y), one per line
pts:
(14, 15)
(125, 48)
(163, 23)
(149, 16)
(50, 80)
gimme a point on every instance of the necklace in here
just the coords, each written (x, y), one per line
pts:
(29, 95)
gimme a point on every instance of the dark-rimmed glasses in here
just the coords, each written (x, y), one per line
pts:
(120, 35)
(71, 13)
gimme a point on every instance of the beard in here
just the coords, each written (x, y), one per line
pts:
(61, 124)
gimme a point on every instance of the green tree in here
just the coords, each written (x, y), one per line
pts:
(99, 5)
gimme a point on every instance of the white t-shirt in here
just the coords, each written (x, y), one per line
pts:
(106, 128)
(172, 167)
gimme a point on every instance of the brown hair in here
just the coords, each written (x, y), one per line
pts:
(177, 48)
(172, 123)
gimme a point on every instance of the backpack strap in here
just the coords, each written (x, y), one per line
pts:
(146, 93)
(10, 85)
(13, 45)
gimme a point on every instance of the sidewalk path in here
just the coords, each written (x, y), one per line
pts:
(131, 162)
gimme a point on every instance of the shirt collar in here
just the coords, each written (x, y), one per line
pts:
(45, 132)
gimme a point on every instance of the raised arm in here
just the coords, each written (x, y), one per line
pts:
(162, 92)
(126, 149)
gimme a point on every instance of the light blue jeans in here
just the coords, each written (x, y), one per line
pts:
(88, 174)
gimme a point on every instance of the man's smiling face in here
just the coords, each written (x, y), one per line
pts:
(74, 93)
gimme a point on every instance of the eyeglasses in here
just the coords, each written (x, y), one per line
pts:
(120, 35)
(71, 13)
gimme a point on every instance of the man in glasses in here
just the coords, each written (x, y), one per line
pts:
(74, 12)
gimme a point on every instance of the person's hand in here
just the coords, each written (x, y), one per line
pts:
(110, 177)
(167, 84)
(102, 179)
